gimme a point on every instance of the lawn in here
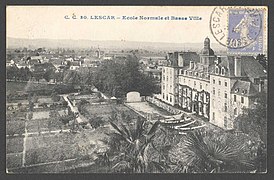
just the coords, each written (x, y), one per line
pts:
(13, 87)
(105, 111)
(32, 125)
(40, 115)
(14, 144)
(15, 127)
(14, 160)
(62, 146)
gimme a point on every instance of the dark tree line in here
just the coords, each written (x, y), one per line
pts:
(18, 74)
(118, 78)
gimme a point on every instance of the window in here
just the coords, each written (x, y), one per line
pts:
(225, 95)
(163, 86)
(225, 84)
(217, 70)
(167, 78)
(170, 99)
(223, 71)
(235, 111)
(213, 116)
(163, 77)
(219, 92)
(242, 99)
(201, 87)
(225, 122)
(167, 97)
(213, 91)
(219, 82)
(194, 83)
(235, 98)
(213, 81)
(184, 80)
(163, 96)
(225, 107)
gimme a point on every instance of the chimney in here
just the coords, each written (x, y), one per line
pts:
(238, 66)
(180, 60)
(191, 64)
(261, 84)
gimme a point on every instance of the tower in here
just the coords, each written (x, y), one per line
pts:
(207, 54)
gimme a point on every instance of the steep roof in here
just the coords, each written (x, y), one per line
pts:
(252, 68)
(244, 88)
(190, 56)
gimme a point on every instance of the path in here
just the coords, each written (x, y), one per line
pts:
(73, 109)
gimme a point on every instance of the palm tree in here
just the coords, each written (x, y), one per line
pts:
(131, 155)
(224, 153)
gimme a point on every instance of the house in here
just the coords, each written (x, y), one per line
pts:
(214, 87)
(75, 65)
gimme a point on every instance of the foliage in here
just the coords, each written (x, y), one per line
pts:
(96, 121)
(118, 78)
(49, 74)
(253, 121)
(262, 60)
(131, 147)
(14, 73)
(223, 153)
(55, 97)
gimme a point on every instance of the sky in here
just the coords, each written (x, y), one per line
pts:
(48, 22)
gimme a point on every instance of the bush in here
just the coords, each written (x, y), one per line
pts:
(96, 122)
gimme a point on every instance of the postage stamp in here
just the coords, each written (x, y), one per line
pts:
(240, 29)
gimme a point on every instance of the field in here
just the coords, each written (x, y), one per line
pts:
(52, 150)
(14, 144)
(13, 87)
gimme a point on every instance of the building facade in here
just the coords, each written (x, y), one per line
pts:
(214, 87)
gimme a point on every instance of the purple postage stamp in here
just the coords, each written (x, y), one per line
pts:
(240, 29)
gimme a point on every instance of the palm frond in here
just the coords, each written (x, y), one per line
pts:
(153, 128)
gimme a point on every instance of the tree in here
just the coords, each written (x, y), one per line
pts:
(134, 143)
(253, 121)
(121, 77)
(262, 60)
(96, 121)
(222, 153)
(49, 74)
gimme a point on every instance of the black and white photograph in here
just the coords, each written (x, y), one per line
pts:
(136, 89)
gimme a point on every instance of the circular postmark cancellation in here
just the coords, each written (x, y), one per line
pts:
(236, 27)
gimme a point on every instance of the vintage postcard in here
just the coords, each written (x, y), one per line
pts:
(136, 89)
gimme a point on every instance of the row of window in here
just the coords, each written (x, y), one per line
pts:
(170, 87)
(201, 86)
(170, 71)
(220, 83)
(166, 97)
(220, 71)
(226, 124)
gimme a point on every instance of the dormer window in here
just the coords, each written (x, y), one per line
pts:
(216, 70)
(236, 90)
(223, 71)
(244, 91)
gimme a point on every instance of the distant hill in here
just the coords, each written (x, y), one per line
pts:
(66, 43)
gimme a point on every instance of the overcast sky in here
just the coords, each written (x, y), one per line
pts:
(48, 22)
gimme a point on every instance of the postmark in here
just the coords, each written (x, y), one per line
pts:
(240, 29)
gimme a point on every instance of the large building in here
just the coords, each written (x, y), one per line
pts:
(214, 87)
